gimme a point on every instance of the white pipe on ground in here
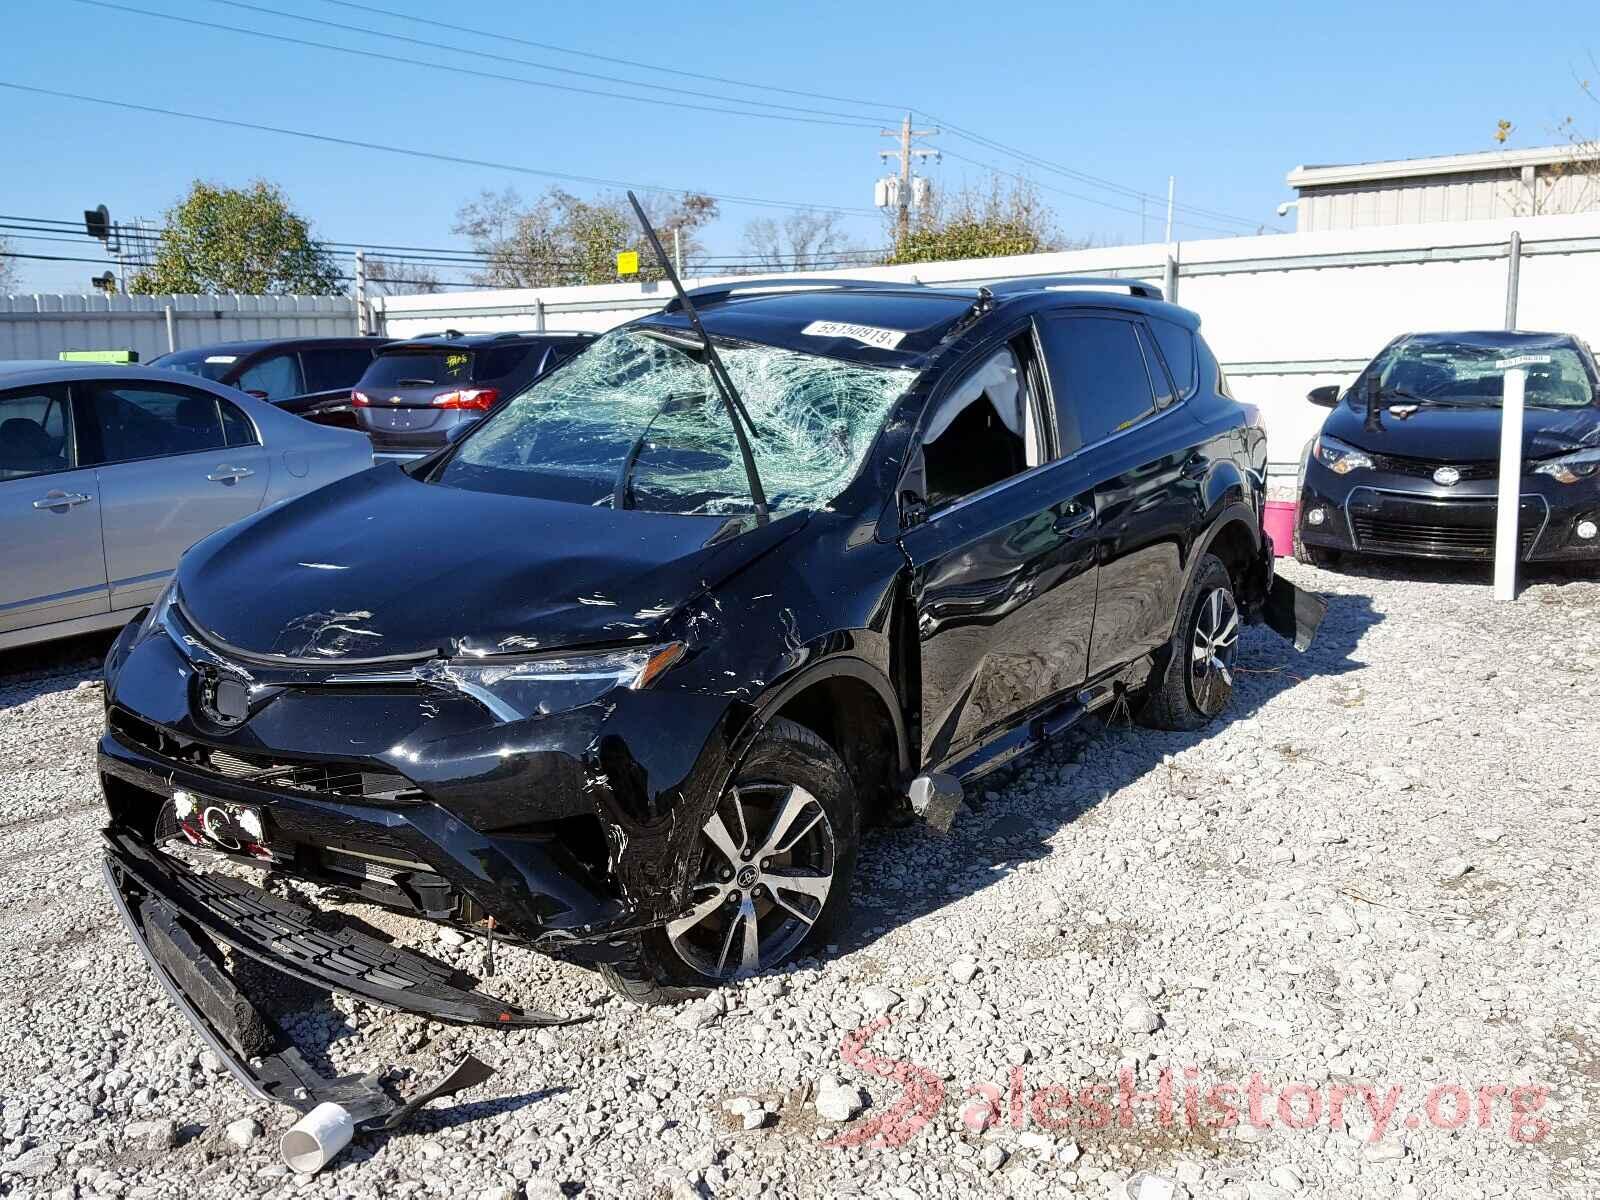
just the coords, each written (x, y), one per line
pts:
(316, 1139)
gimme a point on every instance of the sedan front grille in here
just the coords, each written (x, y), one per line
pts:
(1421, 468)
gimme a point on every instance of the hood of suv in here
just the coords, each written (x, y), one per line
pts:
(381, 565)
(1459, 433)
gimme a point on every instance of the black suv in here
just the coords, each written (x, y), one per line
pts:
(1408, 461)
(310, 377)
(589, 680)
(418, 394)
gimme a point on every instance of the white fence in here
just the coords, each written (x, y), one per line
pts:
(1284, 312)
(42, 326)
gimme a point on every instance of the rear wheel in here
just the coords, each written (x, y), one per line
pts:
(1197, 681)
(772, 875)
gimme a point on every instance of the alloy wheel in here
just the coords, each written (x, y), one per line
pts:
(1216, 636)
(765, 874)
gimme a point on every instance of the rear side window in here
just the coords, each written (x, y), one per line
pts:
(236, 427)
(130, 421)
(1097, 376)
(420, 368)
(273, 378)
(33, 432)
(1177, 347)
(334, 368)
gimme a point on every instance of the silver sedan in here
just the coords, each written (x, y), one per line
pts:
(109, 473)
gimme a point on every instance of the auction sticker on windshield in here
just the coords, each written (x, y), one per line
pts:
(870, 335)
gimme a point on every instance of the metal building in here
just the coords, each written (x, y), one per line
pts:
(1454, 187)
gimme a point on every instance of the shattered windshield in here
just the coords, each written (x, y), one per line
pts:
(636, 417)
(1468, 374)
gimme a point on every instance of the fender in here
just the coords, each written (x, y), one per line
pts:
(1238, 512)
(839, 665)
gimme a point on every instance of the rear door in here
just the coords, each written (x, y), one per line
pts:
(1002, 566)
(174, 464)
(54, 566)
(1140, 447)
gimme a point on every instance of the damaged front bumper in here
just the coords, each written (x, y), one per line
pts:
(182, 921)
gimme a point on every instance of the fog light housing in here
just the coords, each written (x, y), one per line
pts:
(1587, 529)
(1316, 516)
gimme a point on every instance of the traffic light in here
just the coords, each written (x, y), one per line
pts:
(97, 221)
(107, 283)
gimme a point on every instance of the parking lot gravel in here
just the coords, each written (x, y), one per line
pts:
(1358, 915)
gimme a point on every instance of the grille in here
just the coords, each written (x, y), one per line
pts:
(328, 779)
(1454, 540)
(1421, 468)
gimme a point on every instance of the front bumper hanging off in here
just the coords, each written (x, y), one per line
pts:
(181, 920)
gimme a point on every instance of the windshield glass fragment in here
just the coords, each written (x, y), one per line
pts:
(638, 417)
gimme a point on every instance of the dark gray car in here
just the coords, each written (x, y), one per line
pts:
(417, 392)
(109, 473)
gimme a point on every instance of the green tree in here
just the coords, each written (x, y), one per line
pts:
(246, 240)
(562, 240)
(992, 222)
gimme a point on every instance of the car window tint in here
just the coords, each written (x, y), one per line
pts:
(274, 378)
(985, 430)
(1177, 347)
(236, 427)
(502, 360)
(33, 432)
(1097, 375)
(1158, 373)
(131, 421)
(334, 368)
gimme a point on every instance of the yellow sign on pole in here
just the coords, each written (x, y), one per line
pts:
(628, 262)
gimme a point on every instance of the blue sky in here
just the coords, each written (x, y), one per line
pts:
(1227, 99)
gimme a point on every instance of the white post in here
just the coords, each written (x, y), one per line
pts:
(363, 322)
(1509, 499)
(677, 252)
(1172, 183)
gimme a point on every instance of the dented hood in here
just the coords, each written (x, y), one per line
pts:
(381, 565)
(1463, 433)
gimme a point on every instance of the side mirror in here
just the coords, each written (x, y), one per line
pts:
(1326, 396)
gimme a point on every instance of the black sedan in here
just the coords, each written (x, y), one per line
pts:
(1407, 463)
(310, 377)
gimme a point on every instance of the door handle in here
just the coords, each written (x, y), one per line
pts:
(60, 500)
(230, 474)
(1196, 467)
(1072, 521)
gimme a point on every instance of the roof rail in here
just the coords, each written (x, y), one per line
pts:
(1042, 283)
(721, 291)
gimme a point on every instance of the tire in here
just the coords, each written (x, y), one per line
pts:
(1190, 691)
(1313, 556)
(796, 896)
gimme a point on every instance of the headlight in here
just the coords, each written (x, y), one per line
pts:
(514, 689)
(1337, 456)
(1570, 468)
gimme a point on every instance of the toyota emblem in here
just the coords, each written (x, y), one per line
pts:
(1447, 476)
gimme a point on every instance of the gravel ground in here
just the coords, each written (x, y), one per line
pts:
(1378, 870)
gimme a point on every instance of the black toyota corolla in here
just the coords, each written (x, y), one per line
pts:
(597, 680)
(1407, 463)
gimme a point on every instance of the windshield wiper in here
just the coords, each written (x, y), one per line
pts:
(737, 416)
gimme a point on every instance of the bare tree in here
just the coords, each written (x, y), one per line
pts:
(805, 240)
(387, 278)
(1572, 185)
(9, 275)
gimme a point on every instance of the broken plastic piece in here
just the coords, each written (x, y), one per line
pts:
(1294, 613)
(935, 799)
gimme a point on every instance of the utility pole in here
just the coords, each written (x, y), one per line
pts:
(1171, 184)
(906, 135)
(677, 249)
(363, 322)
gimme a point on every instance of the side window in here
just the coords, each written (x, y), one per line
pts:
(274, 378)
(985, 430)
(1097, 376)
(129, 421)
(1177, 347)
(236, 427)
(33, 432)
(335, 368)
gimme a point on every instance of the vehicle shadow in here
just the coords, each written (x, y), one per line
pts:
(910, 872)
(1478, 574)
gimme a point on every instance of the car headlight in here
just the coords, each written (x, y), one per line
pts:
(515, 689)
(1570, 468)
(1339, 457)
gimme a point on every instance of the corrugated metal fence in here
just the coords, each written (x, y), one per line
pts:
(42, 326)
(1284, 312)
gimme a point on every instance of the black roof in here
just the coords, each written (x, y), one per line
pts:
(240, 349)
(472, 341)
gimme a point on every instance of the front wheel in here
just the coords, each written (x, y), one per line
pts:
(1197, 681)
(772, 876)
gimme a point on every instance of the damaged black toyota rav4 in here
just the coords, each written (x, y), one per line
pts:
(622, 674)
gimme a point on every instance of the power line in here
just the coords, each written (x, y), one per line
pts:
(438, 66)
(527, 62)
(412, 152)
